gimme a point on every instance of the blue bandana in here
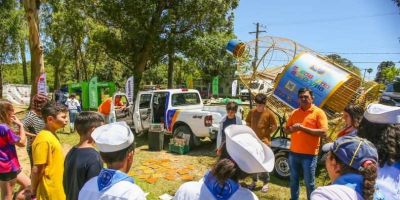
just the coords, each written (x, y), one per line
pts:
(354, 181)
(109, 177)
(220, 192)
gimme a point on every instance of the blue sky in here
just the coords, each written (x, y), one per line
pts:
(348, 27)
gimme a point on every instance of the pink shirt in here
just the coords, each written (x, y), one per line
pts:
(8, 154)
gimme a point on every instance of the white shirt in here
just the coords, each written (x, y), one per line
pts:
(123, 190)
(335, 192)
(72, 104)
(388, 181)
(194, 190)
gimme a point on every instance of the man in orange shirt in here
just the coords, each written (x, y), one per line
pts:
(306, 125)
(105, 107)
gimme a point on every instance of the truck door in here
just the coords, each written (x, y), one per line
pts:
(142, 114)
(123, 113)
(160, 105)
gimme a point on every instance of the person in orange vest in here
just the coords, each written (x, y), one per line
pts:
(105, 107)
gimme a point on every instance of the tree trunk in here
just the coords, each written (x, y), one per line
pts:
(36, 48)
(148, 45)
(1, 80)
(171, 54)
(57, 75)
(77, 66)
(82, 56)
(23, 58)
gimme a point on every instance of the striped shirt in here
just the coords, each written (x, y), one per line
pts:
(33, 124)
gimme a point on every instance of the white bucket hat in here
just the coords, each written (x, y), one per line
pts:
(113, 137)
(382, 114)
(247, 150)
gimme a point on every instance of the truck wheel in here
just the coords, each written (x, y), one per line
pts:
(183, 129)
(281, 168)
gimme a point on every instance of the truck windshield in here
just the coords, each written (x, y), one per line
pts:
(185, 99)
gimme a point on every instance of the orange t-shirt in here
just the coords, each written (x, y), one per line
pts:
(302, 142)
(105, 107)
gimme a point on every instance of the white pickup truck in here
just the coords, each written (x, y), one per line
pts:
(181, 111)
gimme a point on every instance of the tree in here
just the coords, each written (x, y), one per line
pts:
(209, 54)
(141, 34)
(190, 20)
(36, 49)
(389, 73)
(381, 67)
(346, 63)
(9, 17)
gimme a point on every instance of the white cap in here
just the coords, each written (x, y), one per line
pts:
(382, 114)
(247, 150)
(113, 137)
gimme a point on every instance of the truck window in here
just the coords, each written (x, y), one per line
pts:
(185, 99)
(144, 101)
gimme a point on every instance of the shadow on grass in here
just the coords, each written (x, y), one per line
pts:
(206, 148)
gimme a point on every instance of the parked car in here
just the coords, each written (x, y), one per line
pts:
(391, 96)
(256, 86)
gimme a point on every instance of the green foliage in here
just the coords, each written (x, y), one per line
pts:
(344, 62)
(116, 39)
(380, 77)
(140, 34)
(210, 55)
(389, 73)
(9, 23)
(10, 71)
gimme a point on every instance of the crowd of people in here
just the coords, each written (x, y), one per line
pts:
(362, 163)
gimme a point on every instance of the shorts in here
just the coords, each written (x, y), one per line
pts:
(9, 176)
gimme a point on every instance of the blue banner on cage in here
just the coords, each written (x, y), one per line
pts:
(310, 71)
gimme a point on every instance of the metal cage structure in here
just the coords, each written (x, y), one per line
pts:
(256, 57)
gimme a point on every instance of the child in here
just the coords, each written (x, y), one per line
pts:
(263, 123)
(351, 164)
(116, 144)
(9, 165)
(33, 122)
(229, 119)
(48, 157)
(73, 108)
(242, 154)
(82, 162)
